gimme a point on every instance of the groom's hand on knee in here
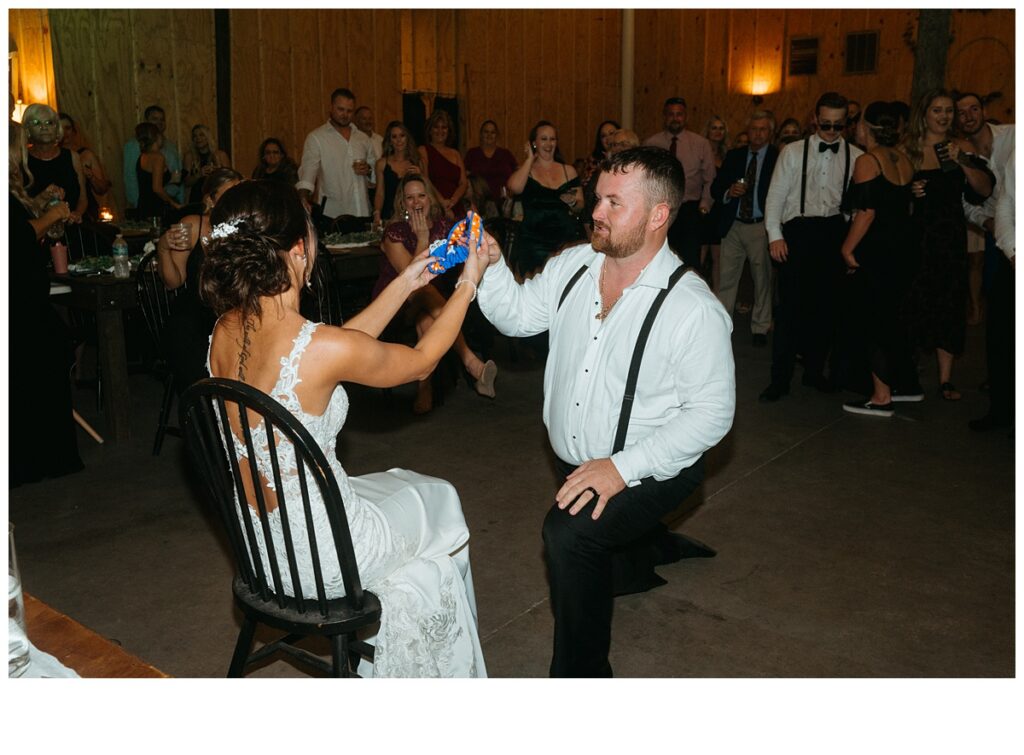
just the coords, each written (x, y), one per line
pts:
(598, 479)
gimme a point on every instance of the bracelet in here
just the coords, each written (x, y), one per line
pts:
(467, 280)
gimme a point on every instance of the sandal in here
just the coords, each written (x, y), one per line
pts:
(948, 392)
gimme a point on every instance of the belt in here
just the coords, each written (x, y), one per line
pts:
(752, 221)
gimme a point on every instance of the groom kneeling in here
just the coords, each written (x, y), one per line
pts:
(629, 440)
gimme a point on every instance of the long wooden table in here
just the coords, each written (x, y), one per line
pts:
(107, 297)
(79, 648)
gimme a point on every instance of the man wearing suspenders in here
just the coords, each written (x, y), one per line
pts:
(639, 384)
(805, 234)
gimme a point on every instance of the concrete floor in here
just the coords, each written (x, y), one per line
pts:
(848, 546)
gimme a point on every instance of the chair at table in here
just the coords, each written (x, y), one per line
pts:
(322, 302)
(206, 411)
(155, 302)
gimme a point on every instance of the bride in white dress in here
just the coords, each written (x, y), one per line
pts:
(409, 535)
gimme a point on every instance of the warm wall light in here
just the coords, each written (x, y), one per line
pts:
(19, 110)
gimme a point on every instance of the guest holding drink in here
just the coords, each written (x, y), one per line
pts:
(550, 192)
(180, 255)
(489, 161)
(400, 159)
(444, 164)
(51, 164)
(945, 174)
(41, 428)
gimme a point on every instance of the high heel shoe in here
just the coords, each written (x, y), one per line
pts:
(484, 385)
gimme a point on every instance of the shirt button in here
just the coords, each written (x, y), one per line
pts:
(586, 370)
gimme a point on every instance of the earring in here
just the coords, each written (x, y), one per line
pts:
(406, 214)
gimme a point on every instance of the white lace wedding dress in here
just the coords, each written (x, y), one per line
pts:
(410, 541)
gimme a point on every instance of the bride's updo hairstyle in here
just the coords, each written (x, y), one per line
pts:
(253, 227)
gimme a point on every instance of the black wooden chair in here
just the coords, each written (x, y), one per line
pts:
(155, 302)
(206, 411)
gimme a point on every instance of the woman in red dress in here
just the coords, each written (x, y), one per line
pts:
(444, 164)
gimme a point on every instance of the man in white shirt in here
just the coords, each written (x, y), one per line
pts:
(805, 234)
(363, 118)
(627, 463)
(153, 114)
(335, 161)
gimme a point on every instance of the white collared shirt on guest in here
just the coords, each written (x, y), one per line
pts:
(686, 392)
(326, 167)
(1003, 146)
(376, 152)
(824, 183)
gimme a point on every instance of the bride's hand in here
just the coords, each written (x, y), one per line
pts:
(416, 272)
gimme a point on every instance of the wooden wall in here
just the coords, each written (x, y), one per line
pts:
(512, 65)
(717, 58)
(285, 64)
(111, 64)
(523, 66)
(33, 66)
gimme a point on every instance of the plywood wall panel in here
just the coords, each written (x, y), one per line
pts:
(516, 126)
(196, 74)
(981, 58)
(248, 119)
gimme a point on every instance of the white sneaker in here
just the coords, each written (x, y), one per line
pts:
(868, 409)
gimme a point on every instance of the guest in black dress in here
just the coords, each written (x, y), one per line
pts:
(550, 194)
(187, 333)
(275, 165)
(49, 163)
(153, 175)
(41, 430)
(936, 308)
(878, 252)
(97, 184)
(717, 132)
(400, 159)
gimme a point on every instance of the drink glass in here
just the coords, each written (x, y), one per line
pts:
(179, 237)
(59, 255)
(154, 226)
(17, 640)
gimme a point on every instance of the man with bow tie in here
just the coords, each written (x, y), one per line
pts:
(806, 228)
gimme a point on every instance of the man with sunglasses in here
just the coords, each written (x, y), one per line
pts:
(806, 229)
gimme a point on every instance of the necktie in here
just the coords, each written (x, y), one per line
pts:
(747, 200)
(672, 147)
(834, 147)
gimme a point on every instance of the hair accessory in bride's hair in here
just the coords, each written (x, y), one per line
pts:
(224, 230)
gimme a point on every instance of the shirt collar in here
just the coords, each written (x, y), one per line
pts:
(655, 275)
(816, 140)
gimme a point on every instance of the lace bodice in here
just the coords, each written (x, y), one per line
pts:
(371, 537)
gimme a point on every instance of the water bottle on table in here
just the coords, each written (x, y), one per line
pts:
(17, 640)
(122, 266)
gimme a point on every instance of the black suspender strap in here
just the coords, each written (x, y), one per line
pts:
(803, 179)
(568, 286)
(846, 170)
(638, 354)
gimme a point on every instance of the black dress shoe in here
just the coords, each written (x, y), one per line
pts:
(760, 339)
(773, 393)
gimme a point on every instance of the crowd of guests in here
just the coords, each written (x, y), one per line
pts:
(854, 229)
